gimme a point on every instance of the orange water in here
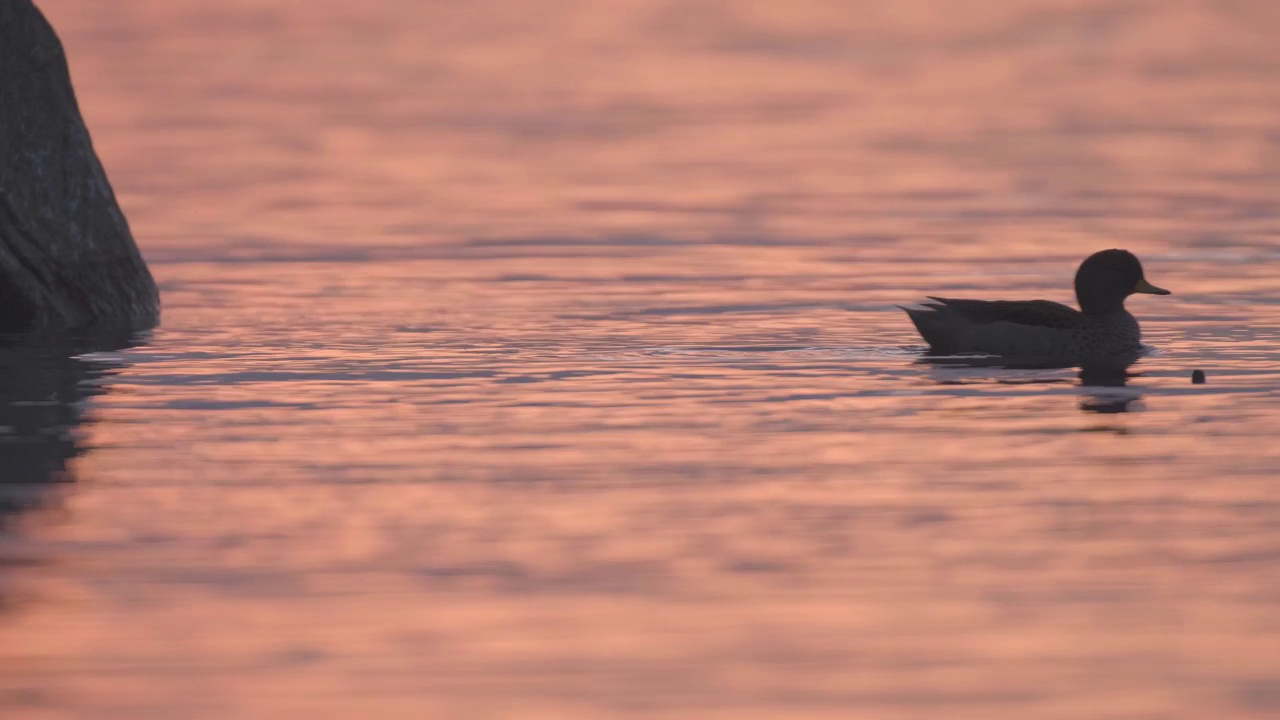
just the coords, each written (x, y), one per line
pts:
(539, 359)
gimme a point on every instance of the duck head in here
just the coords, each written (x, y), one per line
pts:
(1106, 278)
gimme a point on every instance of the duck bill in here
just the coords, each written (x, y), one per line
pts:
(1145, 287)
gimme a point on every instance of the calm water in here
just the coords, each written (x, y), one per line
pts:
(539, 359)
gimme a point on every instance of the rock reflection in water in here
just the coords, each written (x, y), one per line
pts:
(43, 385)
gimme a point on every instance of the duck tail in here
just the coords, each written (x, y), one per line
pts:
(932, 326)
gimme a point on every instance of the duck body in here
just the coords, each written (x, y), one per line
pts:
(1030, 328)
(1101, 330)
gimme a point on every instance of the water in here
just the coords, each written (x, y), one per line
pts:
(540, 360)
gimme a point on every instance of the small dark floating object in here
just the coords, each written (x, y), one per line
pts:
(1197, 377)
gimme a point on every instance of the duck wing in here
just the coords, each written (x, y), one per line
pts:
(1033, 313)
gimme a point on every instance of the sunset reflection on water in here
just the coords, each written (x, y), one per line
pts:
(541, 360)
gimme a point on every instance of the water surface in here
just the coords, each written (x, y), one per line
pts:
(541, 360)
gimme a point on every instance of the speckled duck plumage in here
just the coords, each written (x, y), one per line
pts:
(1101, 329)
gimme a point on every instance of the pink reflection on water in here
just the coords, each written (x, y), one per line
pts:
(540, 360)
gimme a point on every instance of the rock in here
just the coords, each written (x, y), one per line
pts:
(67, 257)
(1197, 377)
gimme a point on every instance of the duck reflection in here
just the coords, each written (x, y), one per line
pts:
(1105, 386)
(44, 384)
(1106, 389)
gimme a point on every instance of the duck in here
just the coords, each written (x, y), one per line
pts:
(1100, 329)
